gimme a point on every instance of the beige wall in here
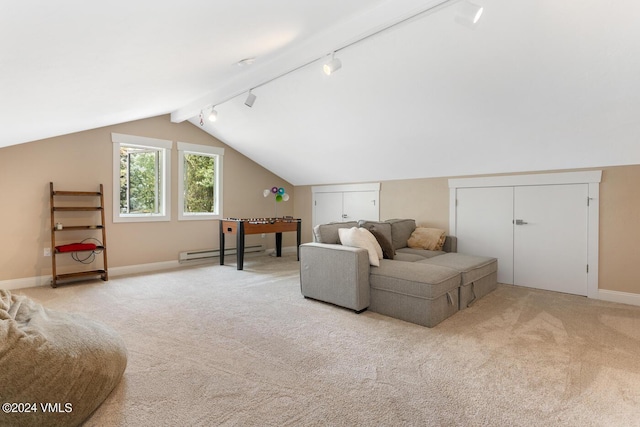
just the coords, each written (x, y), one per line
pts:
(427, 200)
(82, 161)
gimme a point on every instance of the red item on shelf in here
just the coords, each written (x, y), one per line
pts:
(74, 247)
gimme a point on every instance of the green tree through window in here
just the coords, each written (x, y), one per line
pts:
(140, 180)
(199, 182)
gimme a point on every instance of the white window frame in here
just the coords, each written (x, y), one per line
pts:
(201, 150)
(119, 140)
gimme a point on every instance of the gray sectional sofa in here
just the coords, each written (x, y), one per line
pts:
(417, 285)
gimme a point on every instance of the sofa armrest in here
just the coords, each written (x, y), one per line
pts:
(335, 274)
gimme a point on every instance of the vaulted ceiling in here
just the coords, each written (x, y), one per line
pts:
(534, 85)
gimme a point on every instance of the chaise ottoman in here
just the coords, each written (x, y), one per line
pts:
(414, 292)
(478, 274)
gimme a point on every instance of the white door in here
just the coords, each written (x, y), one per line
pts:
(327, 207)
(550, 237)
(484, 226)
(360, 205)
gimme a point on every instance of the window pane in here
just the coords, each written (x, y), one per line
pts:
(199, 172)
(140, 181)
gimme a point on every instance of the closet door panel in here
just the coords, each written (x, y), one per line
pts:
(550, 237)
(360, 205)
(484, 226)
(327, 207)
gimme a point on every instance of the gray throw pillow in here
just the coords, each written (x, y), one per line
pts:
(387, 248)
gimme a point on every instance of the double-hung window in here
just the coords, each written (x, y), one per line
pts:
(199, 181)
(141, 179)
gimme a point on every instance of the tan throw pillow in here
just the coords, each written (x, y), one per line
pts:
(362, 238)
(427, 238)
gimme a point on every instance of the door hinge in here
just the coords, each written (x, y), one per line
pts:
(587, 268)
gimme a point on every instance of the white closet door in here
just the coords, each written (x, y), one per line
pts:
(550, 246)
(484, 226)
(327, 207)
(360, 205)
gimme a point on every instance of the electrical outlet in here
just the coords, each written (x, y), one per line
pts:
(47, 251)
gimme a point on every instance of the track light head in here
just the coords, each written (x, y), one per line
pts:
(213, 115)
(251, 98)
(332, 66)
(468, 13)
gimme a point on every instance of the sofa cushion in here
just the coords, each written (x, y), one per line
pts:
(427, 238)
(328, 233)
(414, 278)
(422, 253)
(401, 230)
(471, 267)
(362, 238)
(408, 257)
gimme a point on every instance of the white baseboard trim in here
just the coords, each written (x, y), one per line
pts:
(26, 282)
(143, 268)
(33, 282)
(621, 297)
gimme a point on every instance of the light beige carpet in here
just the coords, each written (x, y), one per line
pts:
(211, 345)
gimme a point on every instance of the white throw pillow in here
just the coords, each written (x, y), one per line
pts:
(362, 238)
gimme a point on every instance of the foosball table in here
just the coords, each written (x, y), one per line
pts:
(243, 226)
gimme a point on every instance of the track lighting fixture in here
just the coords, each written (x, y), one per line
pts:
(332, 66)
(251, 98)
(468, 13)
(213, 115)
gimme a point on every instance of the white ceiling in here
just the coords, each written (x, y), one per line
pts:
(536, 85)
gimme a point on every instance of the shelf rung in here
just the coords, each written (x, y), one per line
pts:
(76, 193)
(77, 208)
(80, 227)
(80, 274)
(98, 248)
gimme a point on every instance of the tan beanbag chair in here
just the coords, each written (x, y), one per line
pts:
(63, 363)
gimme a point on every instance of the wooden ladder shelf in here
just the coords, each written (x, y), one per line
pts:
(78, 201)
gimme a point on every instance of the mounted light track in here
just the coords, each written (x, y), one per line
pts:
(400, 15)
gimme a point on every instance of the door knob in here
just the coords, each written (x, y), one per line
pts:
(344, 215)
(519, 222)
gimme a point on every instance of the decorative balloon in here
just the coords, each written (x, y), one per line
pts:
(279, 193)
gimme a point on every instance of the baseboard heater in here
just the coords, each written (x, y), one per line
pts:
(214, 253)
